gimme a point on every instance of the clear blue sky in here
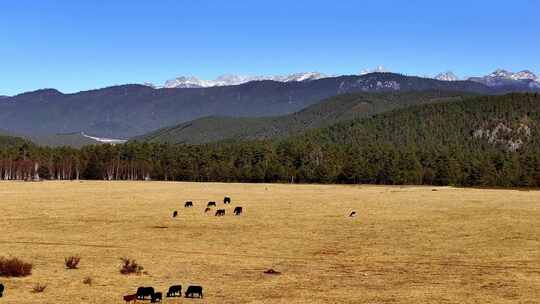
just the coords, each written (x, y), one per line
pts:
(78, 45)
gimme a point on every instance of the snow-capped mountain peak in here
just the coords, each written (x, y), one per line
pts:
(447, 76)
(309, 76)
(185, 82)
(502, 77)
(378, 69)
(500, 73)
(504, 74)
(230, 79)
(525, 75)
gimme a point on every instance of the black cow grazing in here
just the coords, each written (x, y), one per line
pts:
(143, 292)
(175, 213)
(188, 204)
(352, 214)
(174, 291)
(194, 290)
(237, 211)
(226, 200)
(220, 212)
(1, 290)
(207, 209)
(211, 204)
(156, 297)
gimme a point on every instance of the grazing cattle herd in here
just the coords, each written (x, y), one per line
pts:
(175, 291)
(219, 212)
(194, 291)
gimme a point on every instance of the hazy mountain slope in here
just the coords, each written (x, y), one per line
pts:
(327, 112)
(75, 140)
(125, 111)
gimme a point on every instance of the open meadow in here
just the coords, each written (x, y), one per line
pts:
(407, 244)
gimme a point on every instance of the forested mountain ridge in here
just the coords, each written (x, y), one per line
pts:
(489, 140)
(480, 141)
(327, 112)
(130, 110)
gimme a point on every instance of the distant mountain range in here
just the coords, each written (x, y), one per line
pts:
(130, 110)
(229, 80)
(327, 112)
(499, 78)
(524, 80)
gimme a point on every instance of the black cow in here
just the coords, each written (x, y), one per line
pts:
(211, 204)
(220, 212)
(353, 214)
(156, 297)
(175, 214)
(174, 291)
(1, 290)
(194, 290)
(237, 211)
(143, 292)
(207, 209)
(226, 200)
(188, 204)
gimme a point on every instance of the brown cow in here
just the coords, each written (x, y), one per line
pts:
(131, 298)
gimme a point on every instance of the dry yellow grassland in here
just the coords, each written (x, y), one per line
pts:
(407, 244)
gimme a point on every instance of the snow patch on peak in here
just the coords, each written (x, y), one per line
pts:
(111, 141)
(500, 73)
(525, 75)
(378, 69)
(447, 76)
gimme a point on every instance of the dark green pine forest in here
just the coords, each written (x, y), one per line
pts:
(476, 141)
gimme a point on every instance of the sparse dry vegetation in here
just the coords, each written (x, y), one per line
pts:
(87, 281)
(407, 244)
(72, 262)
(14, 267)
(130, 266)
(39, 288)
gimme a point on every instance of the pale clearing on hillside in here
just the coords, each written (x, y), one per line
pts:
(407, 244)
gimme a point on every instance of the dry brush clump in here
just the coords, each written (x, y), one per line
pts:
(14, 267)
(72, 262)
(130, 266)
(39, 288)
(87, 281)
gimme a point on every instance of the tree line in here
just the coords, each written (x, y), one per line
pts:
(481, 141)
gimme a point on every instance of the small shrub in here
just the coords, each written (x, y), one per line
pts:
(72, 262)
(14, 267)
(130, 267)
(87, 281)
(38, 288)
